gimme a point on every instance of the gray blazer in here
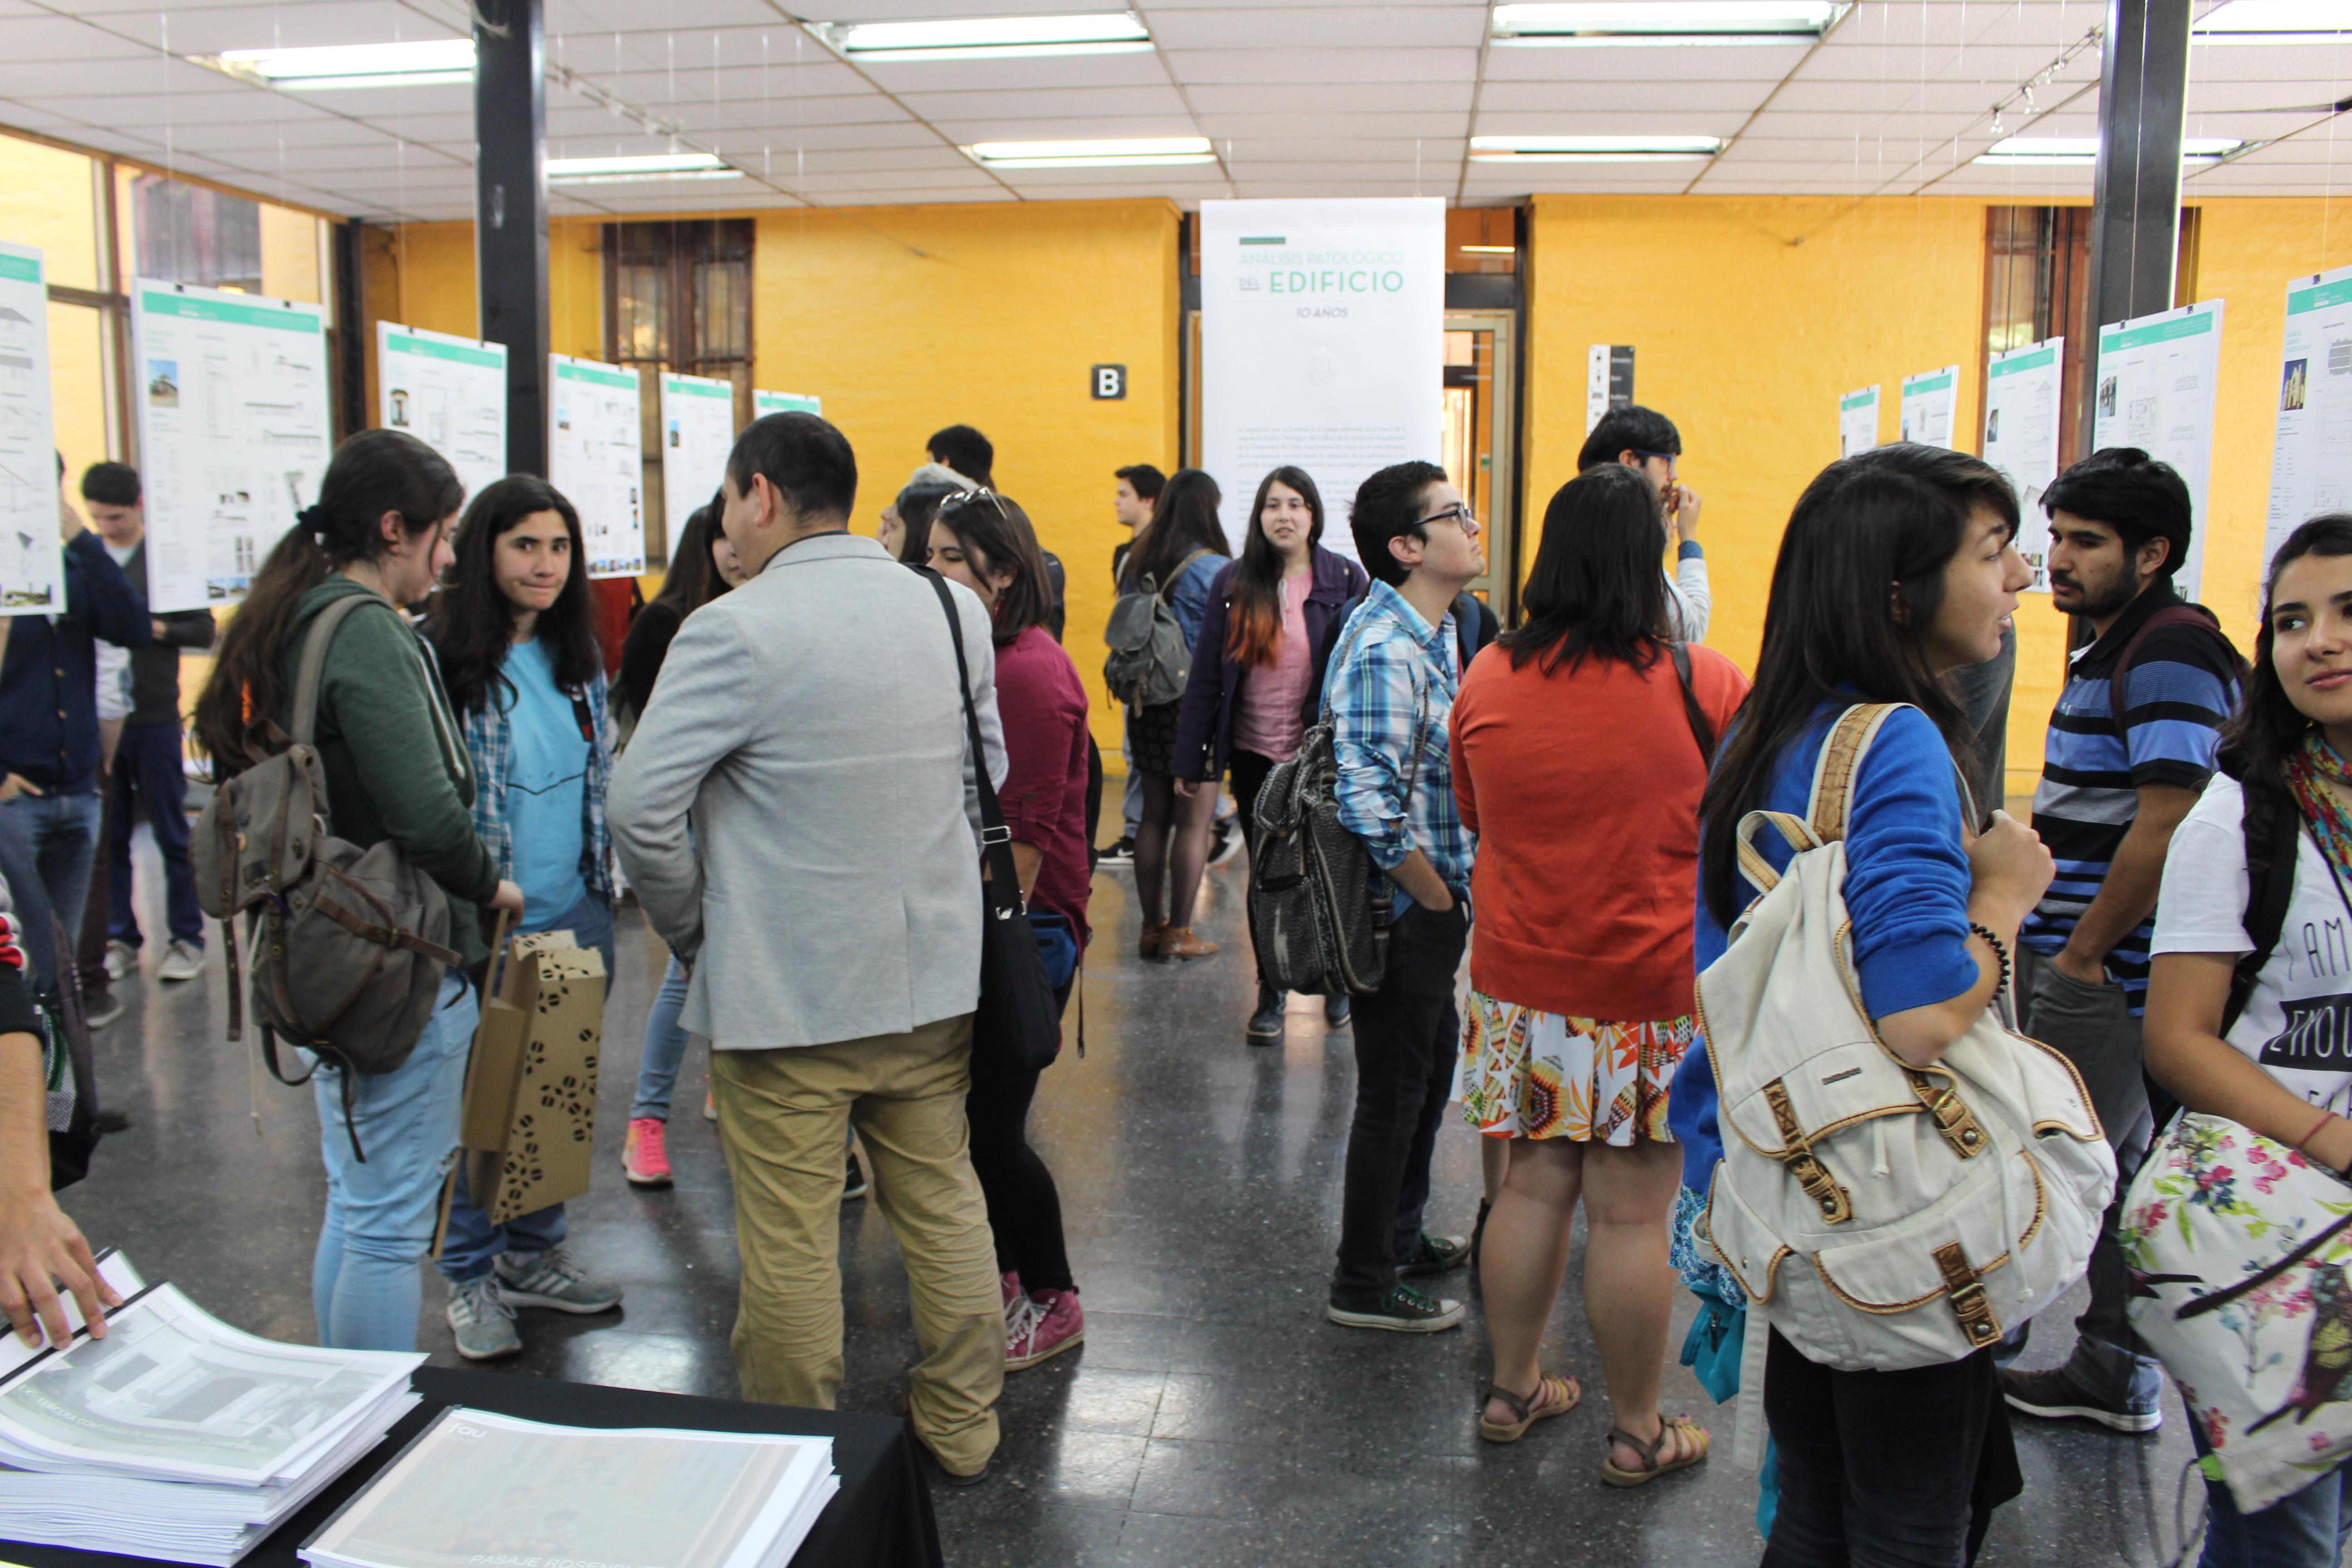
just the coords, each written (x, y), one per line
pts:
(807, 730)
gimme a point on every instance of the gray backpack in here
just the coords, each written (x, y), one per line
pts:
(1149, 660)
(349, 944)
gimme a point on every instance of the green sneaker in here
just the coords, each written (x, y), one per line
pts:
(482, 1319)
(551, 1279)
(1438, 1255)
(1402, 1310)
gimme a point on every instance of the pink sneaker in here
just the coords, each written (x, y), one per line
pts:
(1051, 1323)
(645, 1157)
(1013, 1294)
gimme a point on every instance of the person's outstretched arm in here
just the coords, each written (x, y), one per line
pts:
(40, 1247)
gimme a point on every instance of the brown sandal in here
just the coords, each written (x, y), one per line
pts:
(1530, 1410)
(1697, 1443)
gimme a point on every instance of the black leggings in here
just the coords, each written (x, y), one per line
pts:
(1249, 770)
(1025, 1209)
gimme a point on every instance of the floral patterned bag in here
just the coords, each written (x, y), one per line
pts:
(2241, 1258)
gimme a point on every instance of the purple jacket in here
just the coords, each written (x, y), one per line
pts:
(1204, 729)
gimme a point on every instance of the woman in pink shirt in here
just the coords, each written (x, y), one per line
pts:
(1253, 694)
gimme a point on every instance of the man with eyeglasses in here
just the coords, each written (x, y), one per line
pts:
(1646, 439)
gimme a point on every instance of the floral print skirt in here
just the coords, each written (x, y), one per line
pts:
(1531, 1074)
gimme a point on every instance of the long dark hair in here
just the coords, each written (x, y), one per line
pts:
(1596, 587)
(994, 529)
(2267, 728)
(1254, 631)
(471, 623)
(1871, 531)
(916, 505)
(694, 579)
(1183, 520)
(371, 473)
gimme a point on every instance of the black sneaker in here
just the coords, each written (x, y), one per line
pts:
(1438, 1255)
(1119, 854)
(2054, 1396)
(1265, 1024)
(1402, 1310)
(99, 1008)
(1335, 1011)
(853, 1184)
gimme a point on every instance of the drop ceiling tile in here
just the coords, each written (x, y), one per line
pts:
(149, 75)
(1053, 73)
(630, 15)
(739, 81)
(34, 38)
(782, 141)
(1066, 103)
(1343, 155)
(1217, 127)
(1299, 98)
(966, 131)
(313, 22)
(1589, 123)
(2242, 62)
(1518, 98)
(1240, 66)
(1294, 28)
(1766, 63)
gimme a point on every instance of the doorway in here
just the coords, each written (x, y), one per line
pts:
(1478, 455)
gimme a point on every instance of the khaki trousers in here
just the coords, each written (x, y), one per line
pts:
(783, 1117)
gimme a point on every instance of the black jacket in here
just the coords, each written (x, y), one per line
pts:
(155, 668)
(1204, 728)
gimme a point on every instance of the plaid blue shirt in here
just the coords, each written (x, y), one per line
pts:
(1391, 689)
(489, 740)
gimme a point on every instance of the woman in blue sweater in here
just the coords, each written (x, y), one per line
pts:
(1899, 567)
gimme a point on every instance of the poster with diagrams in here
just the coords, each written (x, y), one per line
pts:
(766, 403)
(1925, 414)
(1857, 421)
(32, 568)
(2156, 385)
(2311, 461)
(697, 421)
(2021, 439)
(595, 456)
(233, 432)
(450, 393)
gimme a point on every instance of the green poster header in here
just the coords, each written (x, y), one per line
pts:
(785, 402)
(597, 377)
(20, 268)
(463, 354)
(2033, 360)
(1853, 400)
(2299, 301)
(193, 309)
(1935, 383)
(688, 386)
(2157, 332)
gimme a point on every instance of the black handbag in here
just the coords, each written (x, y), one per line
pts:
(66, 1060)
(1016, 1026)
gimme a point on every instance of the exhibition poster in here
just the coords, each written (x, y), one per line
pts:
(595, 456)
(450, 393)
(697, 421)
(32, 567)
(1925, 414)
(2021, 438)
(1857, 421)
(766, 403)
(233, 432)
(1322, 343)
(2311, 461)
(2157, 376)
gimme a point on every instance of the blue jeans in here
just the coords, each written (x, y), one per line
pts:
(364, 1283)
(148, 765)
(472, 1243)
(664, 1048)
(2304, 1530)
(48, 844)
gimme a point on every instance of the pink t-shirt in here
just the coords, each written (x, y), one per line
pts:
(1267, 710)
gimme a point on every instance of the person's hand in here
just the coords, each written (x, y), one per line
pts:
(69, 522)
(157, 632)
(40, 1248)
(1189, 788)
(1685, 512)
(13, 784)
(2010, 867)
(2079, 969)
(507, 897)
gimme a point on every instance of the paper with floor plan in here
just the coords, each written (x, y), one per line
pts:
(1857, 421)
(2310, 458)
(32, 567)
(1925, 413)
(2156, 377)
(2021, 438)
(450, 393)
(697, 417)
(595, 456)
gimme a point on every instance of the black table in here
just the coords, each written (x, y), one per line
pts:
(881, 1517)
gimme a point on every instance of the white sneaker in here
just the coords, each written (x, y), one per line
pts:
(183, 961)
(122, 960)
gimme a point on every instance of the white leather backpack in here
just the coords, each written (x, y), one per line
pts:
(1879, 1216)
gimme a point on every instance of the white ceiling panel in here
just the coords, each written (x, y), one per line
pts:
(1305, 100)
(1286, 29)
(1218, 127)
(1245, 66)
(1766, 63)
(1622, 97)
(1105, 103)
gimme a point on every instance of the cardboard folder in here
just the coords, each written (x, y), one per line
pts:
(530, 1124)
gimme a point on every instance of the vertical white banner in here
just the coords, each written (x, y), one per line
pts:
(450, 393)
(2021, 439)
(2157, 383)
(1926, 415)
(233, 432)
(766, 403)
(1857, 421)
(1322, 344)
(697, 431)
(595, 456)
(2311, 461)
(32, 568)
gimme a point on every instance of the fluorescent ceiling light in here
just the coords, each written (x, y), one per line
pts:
(1488, 250)
(1592, 149)
(1128, 154)
(2083, 151)
(426, 63)
(647, 166)
(985, 37)
(2274, 22)
(1584, 22)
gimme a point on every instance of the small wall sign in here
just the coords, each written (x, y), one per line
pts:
(1110, 380)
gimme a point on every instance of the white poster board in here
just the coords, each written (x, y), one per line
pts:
(766, 403)
(450, 393)
(32, 567)
(2021, 439)
(697, 431)
(233, 432)
(1322, 344)
(2156, 377)
(595, 456)
(1925, 413)
(2311, 462)
(1857, 421)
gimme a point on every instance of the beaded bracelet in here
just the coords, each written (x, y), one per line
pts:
(2000, 951)
(2325, 1118)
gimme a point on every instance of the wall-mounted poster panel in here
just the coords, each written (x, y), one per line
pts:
(2156, 378)
(233, 432)
(1857, 421)
(2311, 462)
(2021, 439)
(766, 403)
(450, 393)
(1322, 343)
(595, 456)
(1925, 414)
(32, 568)
(697, 431)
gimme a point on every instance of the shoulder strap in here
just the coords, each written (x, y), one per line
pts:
(1841, 758)
(308, 676)
(995, 838)
(1176, 575)
(1701, 731)
(2170, 615)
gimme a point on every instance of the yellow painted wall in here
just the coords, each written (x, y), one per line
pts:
(48, 202)
(290, 255)
(77, 390)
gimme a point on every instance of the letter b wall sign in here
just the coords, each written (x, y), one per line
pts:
(1110, 380)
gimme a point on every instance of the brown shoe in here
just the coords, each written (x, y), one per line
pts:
(1180, 943)
(1155, 938)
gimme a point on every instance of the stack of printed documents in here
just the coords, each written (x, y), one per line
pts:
(177, 1436)
(478, 1488)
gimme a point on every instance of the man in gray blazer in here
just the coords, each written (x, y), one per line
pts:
(799, 814)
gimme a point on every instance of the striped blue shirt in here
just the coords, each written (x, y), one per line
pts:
(1391, 689)
(2181, 685)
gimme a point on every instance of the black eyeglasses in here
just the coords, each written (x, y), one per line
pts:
(1459, 514)
(1668, 457)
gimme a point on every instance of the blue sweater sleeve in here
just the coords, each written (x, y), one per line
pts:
(1907, 880)
(1190, 597)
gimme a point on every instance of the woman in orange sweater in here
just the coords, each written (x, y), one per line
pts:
(1579, 754)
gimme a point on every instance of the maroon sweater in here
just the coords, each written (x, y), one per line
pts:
(1045, 794)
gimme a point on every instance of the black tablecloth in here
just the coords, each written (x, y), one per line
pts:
(881, 1517)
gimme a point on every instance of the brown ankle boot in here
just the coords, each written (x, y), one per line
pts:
(1155, 936)
(1180, 943)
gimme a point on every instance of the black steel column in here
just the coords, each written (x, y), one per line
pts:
(510, 212)
(351, 328)
(2136, 195)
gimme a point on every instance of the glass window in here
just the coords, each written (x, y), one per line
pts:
(52, 205)
(194, 234)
